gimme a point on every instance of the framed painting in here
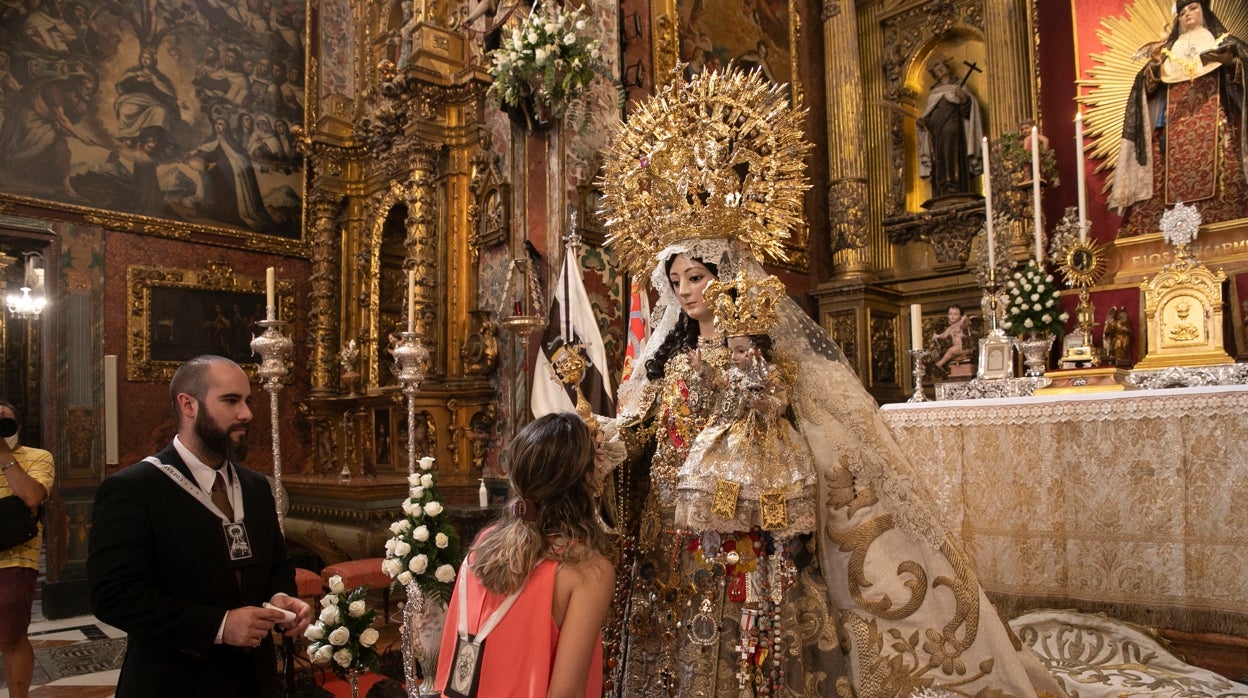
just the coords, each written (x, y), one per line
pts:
(178, 314)
(171, 119)
(708, 34)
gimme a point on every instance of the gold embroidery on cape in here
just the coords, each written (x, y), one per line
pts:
(856, 543)
(725, 503)
(774, 510)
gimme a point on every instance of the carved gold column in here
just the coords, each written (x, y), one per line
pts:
(1012, 75)
(422, 247)
(847, 171)
(324, 281)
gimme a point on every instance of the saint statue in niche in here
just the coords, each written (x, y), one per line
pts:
(949, 132)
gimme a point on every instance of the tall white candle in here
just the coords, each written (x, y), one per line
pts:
(992, 245)
(110, 409)
(916, 326)
(1081, 175)
(1035, 193)
(411, 300)
(270, 281)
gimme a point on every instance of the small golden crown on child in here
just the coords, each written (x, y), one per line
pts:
(744, 306)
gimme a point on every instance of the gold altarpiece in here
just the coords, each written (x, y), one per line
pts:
(877, 52)
(399, 177)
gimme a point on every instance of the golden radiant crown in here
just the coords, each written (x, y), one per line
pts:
(720, 156)
(744, 306)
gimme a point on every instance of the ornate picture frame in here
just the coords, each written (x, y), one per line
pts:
(177, 314)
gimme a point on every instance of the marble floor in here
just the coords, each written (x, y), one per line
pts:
(78, 657)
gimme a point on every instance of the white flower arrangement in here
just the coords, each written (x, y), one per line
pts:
(425, 547)
(343, 637)
(550, 58)
(1033, 303)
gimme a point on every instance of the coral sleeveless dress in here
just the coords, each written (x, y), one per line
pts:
(520, 652)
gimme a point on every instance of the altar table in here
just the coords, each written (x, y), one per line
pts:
(1132, 503)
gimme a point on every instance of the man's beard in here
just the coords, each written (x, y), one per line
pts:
(217, 440)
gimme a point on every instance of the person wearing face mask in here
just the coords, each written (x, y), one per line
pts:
(186, 554)
(28, 473)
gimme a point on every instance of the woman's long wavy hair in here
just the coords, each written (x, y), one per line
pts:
(683, 337)
(551, 461)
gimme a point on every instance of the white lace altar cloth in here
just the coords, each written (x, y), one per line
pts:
(1134, 504)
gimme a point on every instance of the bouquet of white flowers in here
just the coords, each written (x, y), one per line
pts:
(550, 58)
(343, 638)
(1033, 302)
(425, 547)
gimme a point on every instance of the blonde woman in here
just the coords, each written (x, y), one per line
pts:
(526, 616)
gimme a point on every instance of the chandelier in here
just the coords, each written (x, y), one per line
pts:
(31, 300)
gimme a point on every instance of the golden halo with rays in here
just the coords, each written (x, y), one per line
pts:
(720, 156)
(1110, 79)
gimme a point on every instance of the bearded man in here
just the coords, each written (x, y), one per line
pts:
(185, 551)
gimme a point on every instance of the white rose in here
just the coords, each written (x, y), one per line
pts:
(329, 600)
(405, 526)
(1040, 287)
(404, 578)
(421, 533)
(329, 615)
(419, 564)
(1007, 324)
(569, 39)
(417, 511)
(1063, 317)
(433, 508)
(1046, 318)
(357, 608)
(580, 25)
(339, 636)
(551, 27)
(323, 654)
(316, 631)
(343, 657)
(532, 37)
(1035, 296)
(368, 638)
(391, 567)
(413, 480)
(441, 540)
(426, 480)
(1036, 307)
(426, 463)
(396, 528)
(390, 543)
(335, 584)
(1018, 275)
(407, 507)
(417, 492)
(445, 574)
(402, 549)
(1048, 278)
(595, 54)
(1028, 323)
(1048, 303)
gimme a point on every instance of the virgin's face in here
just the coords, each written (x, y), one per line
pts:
(688, 277)
(1191, 16)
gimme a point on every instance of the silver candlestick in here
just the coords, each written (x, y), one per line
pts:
(410, 359)
(274, 348)
(917, 356)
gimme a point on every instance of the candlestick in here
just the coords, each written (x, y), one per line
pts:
(1082, 183)
(110, 409)
(916, 326)
(1035, 192)
(411, 300)
(274, 349)
(916, 359)
(992, 246)
(270, 304)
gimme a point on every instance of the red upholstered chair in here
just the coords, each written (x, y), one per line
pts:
(366, 571)
(309, 585)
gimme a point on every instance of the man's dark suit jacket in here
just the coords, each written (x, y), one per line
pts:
(158, 569)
